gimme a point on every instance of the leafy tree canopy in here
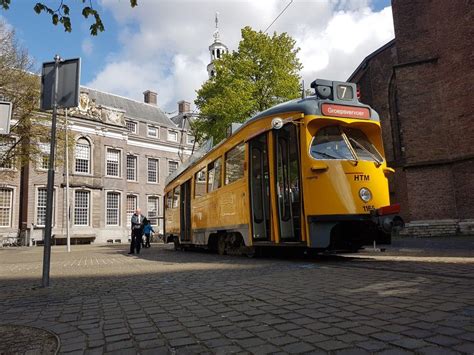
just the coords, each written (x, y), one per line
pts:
(260, 74)
(61, 13)
(30, 129)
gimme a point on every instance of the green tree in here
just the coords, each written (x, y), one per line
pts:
(61, 13)
(260, 74)
(30, 128)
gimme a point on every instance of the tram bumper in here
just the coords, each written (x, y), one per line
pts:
(351, 232)
(387, 218)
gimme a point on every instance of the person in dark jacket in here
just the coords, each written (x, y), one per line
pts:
(148, 229)
(137, 231)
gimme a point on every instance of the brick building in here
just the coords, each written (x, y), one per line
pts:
(421, 85)
(123, 152)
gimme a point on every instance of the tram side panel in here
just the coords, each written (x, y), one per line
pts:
(223, 210)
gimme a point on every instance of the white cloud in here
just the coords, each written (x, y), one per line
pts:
(164, 43)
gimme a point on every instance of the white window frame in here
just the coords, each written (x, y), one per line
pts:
(9, 208)
(129, 215)
(157, 170)
(157, 130)
(89, 214)
(169, 135)
(169, 163)
(158, 209)
(136, 167)
(135, 126)
(55, 196)
(89, 168)
(119, 207)
(11, 166)
(119, 168)
(188, 141)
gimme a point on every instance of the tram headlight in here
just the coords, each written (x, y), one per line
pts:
(365, 194)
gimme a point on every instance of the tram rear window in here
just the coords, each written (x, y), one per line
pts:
(234, 164)
(214, 175)
(200, 183)
(169, 199)
(342, 143)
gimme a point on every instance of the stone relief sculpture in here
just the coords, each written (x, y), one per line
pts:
(88, 108)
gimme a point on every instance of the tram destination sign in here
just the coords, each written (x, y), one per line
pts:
(345, 111)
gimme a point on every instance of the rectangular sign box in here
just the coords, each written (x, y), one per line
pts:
(5, 117)
(345, 111)
(68, 84)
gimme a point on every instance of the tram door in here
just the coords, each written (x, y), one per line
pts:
(288, 182)
(259, 188)
(185, 211)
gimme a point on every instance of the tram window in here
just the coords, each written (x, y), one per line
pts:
(169, 199)
(214, 175)
(200, 183)
(176, 197)
(330, 144)
(364, 149)
(234, 163)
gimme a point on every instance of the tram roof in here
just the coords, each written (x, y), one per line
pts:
(310, 105)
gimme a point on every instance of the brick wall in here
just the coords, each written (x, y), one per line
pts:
(427, 123)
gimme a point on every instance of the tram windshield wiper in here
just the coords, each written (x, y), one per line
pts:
(326, 155)
(374, 157)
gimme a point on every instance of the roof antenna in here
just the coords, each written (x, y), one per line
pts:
(303, 92)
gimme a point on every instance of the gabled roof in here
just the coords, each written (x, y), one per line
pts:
(367, 59)
(133, 109)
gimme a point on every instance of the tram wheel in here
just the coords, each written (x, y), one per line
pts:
(221, 245)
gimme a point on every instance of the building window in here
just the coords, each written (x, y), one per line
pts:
(41, 207)
(113, 162)
(6, 161)
(44, 164)
(200, 183)
(153, 209)
(112, 217)
(6, 197)
(172, 167)
(190, 139)
(234, 163)
(152, 132)
(132, 204)
(83, 156)
(131, 126)
(81, 207)
(173, 136)
(152, 170)
(214, 175)
(131, 168)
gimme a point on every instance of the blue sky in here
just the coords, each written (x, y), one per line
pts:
(162, 44)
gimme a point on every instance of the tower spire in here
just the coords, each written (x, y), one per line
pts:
(216, 49)
(216, 31)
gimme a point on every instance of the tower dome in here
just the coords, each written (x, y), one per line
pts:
(217, 49)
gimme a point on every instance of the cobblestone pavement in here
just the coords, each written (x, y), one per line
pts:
(164, 302)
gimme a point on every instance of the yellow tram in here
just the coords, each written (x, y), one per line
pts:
(309, 173)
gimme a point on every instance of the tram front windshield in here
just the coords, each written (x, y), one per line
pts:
(342, 143)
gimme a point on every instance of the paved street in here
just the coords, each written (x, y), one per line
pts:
(162, 301)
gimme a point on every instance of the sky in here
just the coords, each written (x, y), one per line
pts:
(162, 45)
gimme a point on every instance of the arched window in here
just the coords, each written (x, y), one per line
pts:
(83, 156)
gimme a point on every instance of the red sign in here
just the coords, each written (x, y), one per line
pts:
(345, 111)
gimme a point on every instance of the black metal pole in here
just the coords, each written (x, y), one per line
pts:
(50, 188)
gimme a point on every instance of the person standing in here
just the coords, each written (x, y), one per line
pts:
(148, 229)
(137, 231)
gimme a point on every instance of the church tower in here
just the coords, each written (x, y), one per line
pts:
(216, 49)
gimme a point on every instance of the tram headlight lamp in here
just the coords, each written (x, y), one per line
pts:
(365, 194)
